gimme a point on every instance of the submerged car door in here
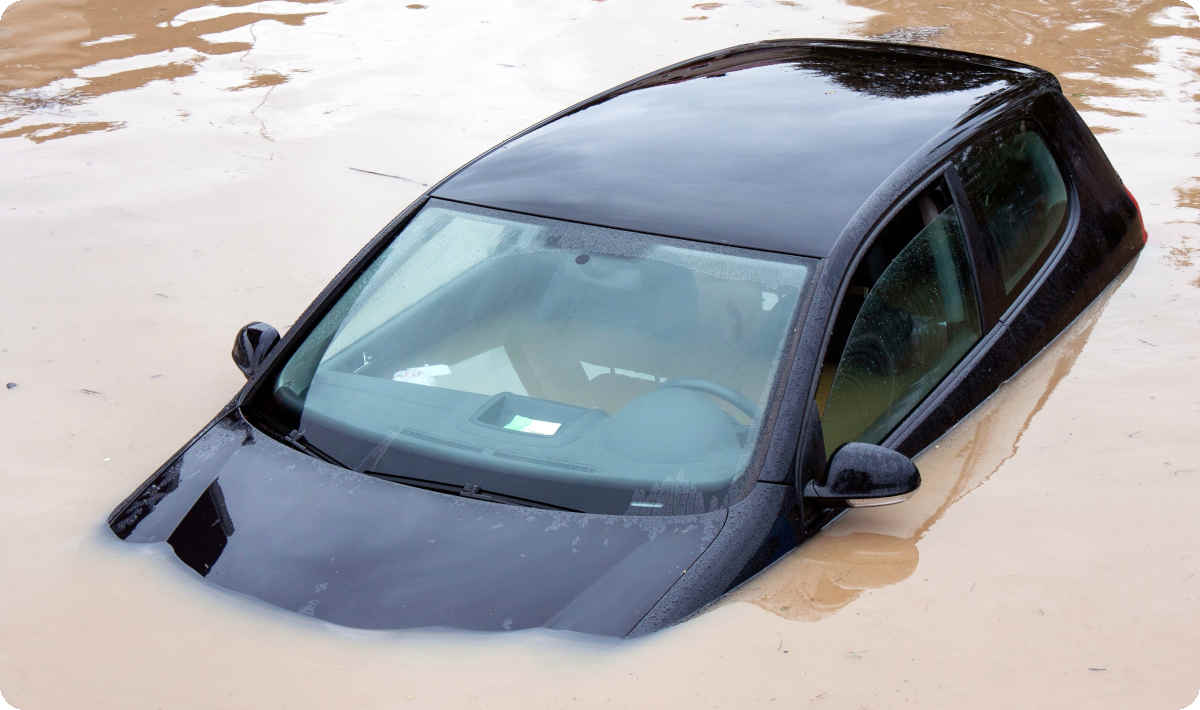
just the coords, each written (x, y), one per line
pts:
(910, 312)
(919, 336)
(1037, 266)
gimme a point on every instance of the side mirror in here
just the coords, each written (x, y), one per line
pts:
(865, 475)
(252, 345)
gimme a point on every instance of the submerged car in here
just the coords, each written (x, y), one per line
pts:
(620, 363)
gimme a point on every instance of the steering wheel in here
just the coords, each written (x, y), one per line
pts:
(738, 400)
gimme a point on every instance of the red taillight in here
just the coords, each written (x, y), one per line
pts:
(1138, 210)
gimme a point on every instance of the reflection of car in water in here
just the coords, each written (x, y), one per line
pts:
(871, 549)
(628, 358)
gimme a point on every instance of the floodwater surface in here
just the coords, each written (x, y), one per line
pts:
(175, 169)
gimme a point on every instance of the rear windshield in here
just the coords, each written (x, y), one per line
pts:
(586, 368)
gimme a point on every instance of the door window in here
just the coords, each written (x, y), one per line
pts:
(1019, 198)
(910, 315)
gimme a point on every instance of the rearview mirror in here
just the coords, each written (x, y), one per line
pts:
(865, 475)
(252, 345)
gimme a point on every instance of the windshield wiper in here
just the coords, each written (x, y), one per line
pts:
(468, 491)
(297, 440)
(473, 491)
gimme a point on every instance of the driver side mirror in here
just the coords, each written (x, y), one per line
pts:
(865, 475)
(252, 345)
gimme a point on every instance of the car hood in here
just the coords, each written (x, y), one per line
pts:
(253, 515)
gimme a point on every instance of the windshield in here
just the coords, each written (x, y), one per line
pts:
(582, 367)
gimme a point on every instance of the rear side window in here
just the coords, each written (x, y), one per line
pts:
(1019, 198)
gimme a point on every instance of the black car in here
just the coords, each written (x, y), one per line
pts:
(623, 361)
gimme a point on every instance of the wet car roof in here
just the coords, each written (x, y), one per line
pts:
(772, 146)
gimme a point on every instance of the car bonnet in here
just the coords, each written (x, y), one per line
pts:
(255, 516)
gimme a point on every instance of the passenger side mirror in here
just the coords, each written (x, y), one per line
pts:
(252, 345)
(865, 475)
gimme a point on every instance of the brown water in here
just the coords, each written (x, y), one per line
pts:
(173, 170)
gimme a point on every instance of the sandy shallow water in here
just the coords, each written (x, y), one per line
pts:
(172, 170)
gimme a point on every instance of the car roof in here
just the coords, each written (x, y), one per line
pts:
(773, 145)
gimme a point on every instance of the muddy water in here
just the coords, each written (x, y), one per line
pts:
(175, 169)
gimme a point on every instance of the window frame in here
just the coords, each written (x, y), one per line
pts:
(999, 304)
(995, 309)
(1002, 311)
(985, 265)
(977, 252)
(760, 465)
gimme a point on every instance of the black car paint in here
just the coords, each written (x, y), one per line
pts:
(769, 518)
(784, 192)
(1092, 252)
(258, 517)
(254, 341)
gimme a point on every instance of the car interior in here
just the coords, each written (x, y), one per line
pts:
(910, 311)
(909, 314)
(545, 357)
